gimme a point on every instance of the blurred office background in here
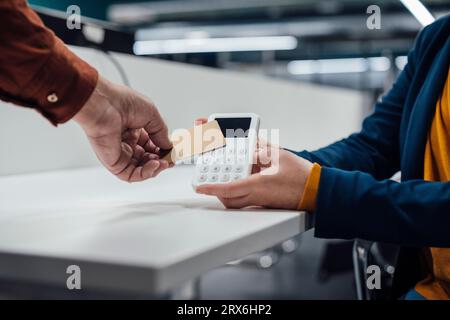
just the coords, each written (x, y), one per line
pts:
(316, 62)
(320, 41)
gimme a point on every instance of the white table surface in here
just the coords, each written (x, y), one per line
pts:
(147, 237)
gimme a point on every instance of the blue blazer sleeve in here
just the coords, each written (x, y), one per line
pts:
(414, 213)
(355, 197)
(375, 149)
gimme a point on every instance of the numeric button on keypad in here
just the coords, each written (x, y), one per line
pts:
(238, 169)
(204, 168)
(202, 178)
(215, 168)
(213, 178)
(225, 178)
(236, 177)
(227, 168)
(205, 159)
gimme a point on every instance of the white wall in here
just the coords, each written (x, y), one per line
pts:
(308, 116)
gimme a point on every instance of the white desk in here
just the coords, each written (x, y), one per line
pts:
(147, 237)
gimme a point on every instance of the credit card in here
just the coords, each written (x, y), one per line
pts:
(188, 143)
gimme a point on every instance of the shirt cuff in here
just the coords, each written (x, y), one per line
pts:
(309, 197)
(62, 86)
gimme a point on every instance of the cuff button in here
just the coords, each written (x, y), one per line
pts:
(52, 98)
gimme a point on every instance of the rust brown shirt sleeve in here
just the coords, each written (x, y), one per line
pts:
(36, 69)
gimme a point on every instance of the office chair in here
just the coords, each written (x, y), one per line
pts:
(366, 253)
(336, 259)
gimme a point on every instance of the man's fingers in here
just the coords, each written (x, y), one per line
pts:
(143, 138)
(131, 136)
(235, 189)
(125, 130)
(163, 165)
(149, 156)
(135, 173)
(150, 147)
(138, 152)
(149, 169)
(157, 131)
(123, 154)
(142, 113)
(145, 142)
(127, 172)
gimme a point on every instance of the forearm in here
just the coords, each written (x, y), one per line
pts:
(36, 68)
(361, 152)
(355, 205)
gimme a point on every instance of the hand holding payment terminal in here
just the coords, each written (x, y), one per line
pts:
(233, 161)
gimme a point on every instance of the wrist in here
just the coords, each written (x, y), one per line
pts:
(308, 198)
(97, 106)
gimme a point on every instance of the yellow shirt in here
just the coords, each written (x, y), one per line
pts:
(436, 168)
